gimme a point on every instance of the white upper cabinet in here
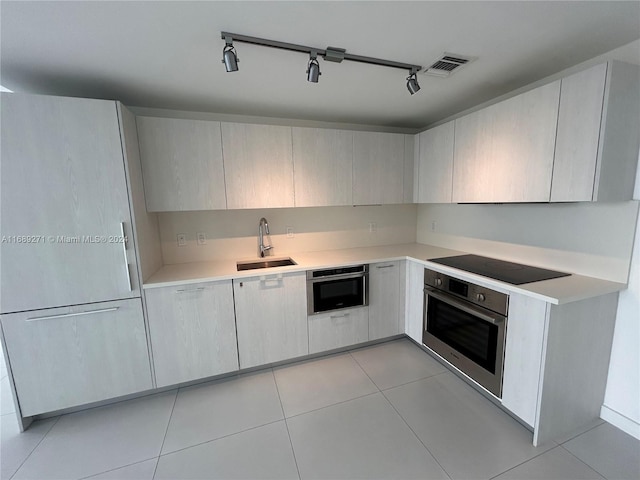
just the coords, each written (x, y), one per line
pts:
(182, 164)
(435, 164)
(258, 165)
(409, 186)
(323, 162)
(598, 134)
(64, 191)
(378, 168)
(504, 153)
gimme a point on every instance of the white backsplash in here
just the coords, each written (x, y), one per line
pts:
(233, 234)
(590, 239)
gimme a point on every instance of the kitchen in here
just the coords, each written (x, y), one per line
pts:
(597, 245)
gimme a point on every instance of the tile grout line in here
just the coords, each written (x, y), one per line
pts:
(175, 400)
(364, 371)
(37, 445)
(526, 461)
(395, 386)
(401, 417)
(581, 433)
(219, 438)
(117, 468)
(415, 435)
(332, 405)
(293, 450)
(415, 381)
(579, 459)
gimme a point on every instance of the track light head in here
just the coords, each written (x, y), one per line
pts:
(229, 56)
(313, 69)
(412, 83)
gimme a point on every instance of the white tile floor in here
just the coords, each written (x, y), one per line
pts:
(387, 411)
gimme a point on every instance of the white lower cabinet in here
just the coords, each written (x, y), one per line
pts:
(69, 356)
(414, 300)
(337, 329)
(384, 300)
(523, 355)
(193, 331)
(271, 318)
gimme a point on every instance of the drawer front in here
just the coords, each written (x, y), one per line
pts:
(338, 329)
(69, 356)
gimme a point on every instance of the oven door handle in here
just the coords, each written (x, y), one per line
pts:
(494, 319)
(342, 276)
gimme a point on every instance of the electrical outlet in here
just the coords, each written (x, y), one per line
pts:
(433, 226)
(182, 239)
(373, 227)
(201, 238)
(290, 232)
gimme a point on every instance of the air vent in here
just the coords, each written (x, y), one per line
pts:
(446, 65)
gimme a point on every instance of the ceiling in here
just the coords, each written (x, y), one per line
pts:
(168, 54)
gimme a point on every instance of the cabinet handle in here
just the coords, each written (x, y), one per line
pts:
(76, 314)
(188, 290)
(126, 260)
(385, 266)
(339, 316)
(272, 281)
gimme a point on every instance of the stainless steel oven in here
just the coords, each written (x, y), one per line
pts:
(465, 324)
(337, 288)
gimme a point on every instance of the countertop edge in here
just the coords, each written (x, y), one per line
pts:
(571, 289)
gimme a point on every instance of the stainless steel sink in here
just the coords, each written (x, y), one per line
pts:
(275, 262)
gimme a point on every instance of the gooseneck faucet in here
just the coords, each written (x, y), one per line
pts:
(263, 228)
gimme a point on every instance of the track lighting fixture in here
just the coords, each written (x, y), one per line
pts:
(313, 69)
(412, 83)
(331, 54)
(229, 56)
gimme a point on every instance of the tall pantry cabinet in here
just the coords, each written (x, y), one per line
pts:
(70, 305)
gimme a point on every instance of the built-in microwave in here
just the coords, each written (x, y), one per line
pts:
(337, 288)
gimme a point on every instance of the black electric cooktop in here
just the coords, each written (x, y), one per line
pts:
(514, 273)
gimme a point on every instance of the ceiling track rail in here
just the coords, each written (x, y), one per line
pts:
(331, 54)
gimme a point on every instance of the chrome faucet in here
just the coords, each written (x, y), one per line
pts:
(263, 228)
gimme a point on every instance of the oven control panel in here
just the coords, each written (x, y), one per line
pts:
(484, 297)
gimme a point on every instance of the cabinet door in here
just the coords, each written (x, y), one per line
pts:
(414, 300)
(504, 153)
(64, 357)
(271, 318)
(409, 190)
(378, 168)
(181, 164)
(523, 355)
(63, 187)
(193, 331)
(338, 329)
(579, 117)
(435, 169)
(384, 300)
(258, 165)
(322, 160)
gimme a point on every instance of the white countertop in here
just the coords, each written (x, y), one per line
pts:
(556, 291)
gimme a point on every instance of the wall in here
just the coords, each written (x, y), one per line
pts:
(232, 234)
(588, 239)
(622, 398)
